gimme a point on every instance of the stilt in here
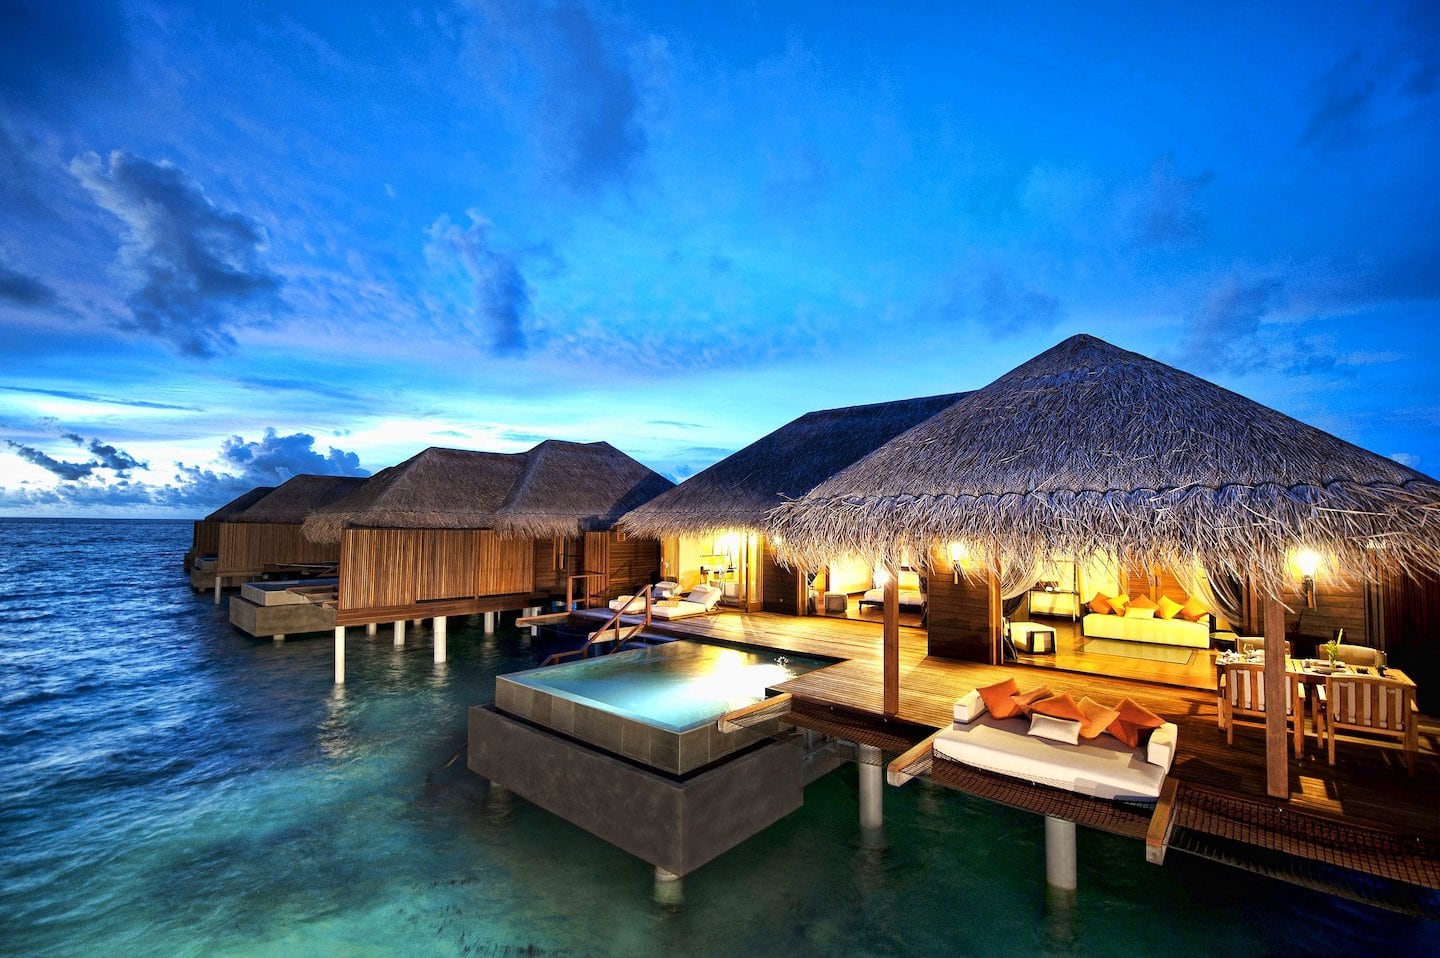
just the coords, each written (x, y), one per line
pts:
(399, 632)
(370, 628)
(218, 586)
(669, 887)
(490, 618)
(339, 655)
(872, 795)
(278, 637)
(1060, 854)
(533, 610)
(440, 638)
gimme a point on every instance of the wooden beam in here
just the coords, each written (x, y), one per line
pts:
(1157, 836)
(895, 774)
(891, 644)
(1277, 756)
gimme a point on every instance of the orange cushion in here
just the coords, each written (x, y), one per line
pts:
(1101, 604)
(1141, 602)
(1133, 723)
(1119, 602)
(1097, 717)
(1167, 607)
(1059, 706)
(1193, 610)
(1025, 701)
(998, 698)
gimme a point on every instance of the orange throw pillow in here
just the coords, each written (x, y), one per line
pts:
(1133, 723)
(1143, 602)
(1025, 701)
(998, 699)
(1101, 604)
(1193, 611)
(1060, 706)
(1097, 717)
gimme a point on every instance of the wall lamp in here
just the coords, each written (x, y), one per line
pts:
(1308, 562)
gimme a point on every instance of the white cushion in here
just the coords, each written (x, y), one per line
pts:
(1161, 750)
(969, 707)
(1055, 729)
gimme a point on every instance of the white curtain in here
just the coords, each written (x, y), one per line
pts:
(1220, 596)
(1019, 579)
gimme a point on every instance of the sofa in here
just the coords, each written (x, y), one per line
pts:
(1194, 635)
(1102, 767)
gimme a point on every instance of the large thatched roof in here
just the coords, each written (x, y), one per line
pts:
(739, 491)
(555, 489)
(239, 504)
(294, 499)
(1089, 449)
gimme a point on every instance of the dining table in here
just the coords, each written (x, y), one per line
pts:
(1314, 672)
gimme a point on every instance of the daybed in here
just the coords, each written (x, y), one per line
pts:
(636, 603)
(1195, 635)
(702, 599)
(1102, 767)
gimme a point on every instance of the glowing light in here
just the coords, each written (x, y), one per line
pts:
(1307, 561)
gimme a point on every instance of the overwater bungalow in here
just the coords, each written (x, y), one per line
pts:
(1088, 472)
(460, 532)
(205, 538)
(265, 538)
(713, 525)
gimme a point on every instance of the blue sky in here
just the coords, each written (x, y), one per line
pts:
(244, 240)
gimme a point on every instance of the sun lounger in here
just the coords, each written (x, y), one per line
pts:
(702, 599)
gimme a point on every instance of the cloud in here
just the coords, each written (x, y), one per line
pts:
(498, 291)
(68, 471)
(1165, 211)
(994, 298)
(1222, 332)
(92, 397)
(108, 457)
(198, 269)
(581, 98)
(25, 291)
(275, 458)
(1406, 459)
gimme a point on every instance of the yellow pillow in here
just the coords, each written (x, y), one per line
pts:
(1167, 607)
(1136, 612)
(1193, 610)
(1119, 603)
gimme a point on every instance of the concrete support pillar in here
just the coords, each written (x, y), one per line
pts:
(339, 655)
(218, 586)
(490, 618)
(872, 795)
(279, 637)
(399, 632)
(440, 638)
(669, 887)
(370, 628)
(533, 610)
(1060, 854)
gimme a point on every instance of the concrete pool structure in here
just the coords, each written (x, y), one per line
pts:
(648, 770)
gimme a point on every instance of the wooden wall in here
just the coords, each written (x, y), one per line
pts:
(250, 546)
(555, 561)
(206, 538)
(1411, 614)
(634, 564)
(781, 589)
(963, 618)
(394, 567)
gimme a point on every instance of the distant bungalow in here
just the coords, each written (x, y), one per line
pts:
(205, 537)
(458, 532)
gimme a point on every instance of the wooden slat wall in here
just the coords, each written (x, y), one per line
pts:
(780, 587)
(634, 563)
(960, 619)
(1412, 634)
(555, 561)
(250, 546)
(397, 567)
(597, 559)
(206, 538)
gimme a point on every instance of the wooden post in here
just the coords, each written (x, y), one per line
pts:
(339, 655)
(891, 639)
(1277, 755)
(439, 622)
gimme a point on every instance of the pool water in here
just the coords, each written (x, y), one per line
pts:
(173, 787)
(677, 686)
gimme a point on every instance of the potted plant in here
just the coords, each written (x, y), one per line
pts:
(1332, 652)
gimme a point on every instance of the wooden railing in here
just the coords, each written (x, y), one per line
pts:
(612, 624)
(589, 592)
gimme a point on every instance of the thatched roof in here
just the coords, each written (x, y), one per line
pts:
(737, 492)
(555, 489)
(239, 504)
(295, 498)
(1090, 449)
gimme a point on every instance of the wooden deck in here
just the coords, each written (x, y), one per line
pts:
(1367, 793)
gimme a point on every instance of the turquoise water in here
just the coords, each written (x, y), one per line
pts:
(173, 787)
(677, 686)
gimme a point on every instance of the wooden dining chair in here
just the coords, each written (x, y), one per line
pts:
(1243, 700)
(1372, 706)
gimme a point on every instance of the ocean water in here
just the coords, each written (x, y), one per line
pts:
(171, 786)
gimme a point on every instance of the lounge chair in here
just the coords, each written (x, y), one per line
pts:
(702, 599)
